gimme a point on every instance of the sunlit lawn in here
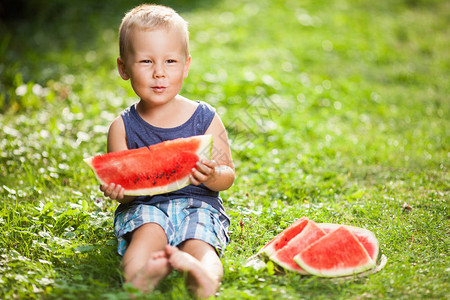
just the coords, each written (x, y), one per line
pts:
(336, 110)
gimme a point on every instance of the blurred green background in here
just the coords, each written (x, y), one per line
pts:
(41, 40)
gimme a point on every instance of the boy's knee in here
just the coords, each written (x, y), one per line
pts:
(203, 252)
(150, 229)
(196, 246)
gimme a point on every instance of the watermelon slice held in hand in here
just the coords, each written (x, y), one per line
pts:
(157, 169)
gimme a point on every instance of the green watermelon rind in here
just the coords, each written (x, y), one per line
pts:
(287, 267)
(338, 272)
(206, 142)
(341, 273)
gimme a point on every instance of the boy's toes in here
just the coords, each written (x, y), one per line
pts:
(158, 254)
(171, 250)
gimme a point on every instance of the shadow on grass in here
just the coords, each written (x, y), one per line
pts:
(92, 272)
(40, 25)
(40, 39)
(95, 273)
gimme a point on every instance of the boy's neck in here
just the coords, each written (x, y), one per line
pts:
(169, 115)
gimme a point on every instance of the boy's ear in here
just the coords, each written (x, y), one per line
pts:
(122, 69)
(186, 67)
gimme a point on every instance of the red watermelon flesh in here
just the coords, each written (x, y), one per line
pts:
(339, 253)
(152, 170)
(366, 237)
(284, 237)
(285, 256)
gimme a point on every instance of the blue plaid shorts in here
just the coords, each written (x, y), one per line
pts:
(182, 219)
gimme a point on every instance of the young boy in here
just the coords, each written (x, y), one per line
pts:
(185, 230)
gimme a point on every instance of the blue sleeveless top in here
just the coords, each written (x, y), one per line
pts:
(140, 133)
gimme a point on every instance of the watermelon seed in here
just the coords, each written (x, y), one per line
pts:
(154, 182)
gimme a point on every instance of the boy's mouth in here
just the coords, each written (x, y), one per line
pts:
(158, 89)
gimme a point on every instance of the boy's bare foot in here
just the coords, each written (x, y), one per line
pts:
(200, 281)
(156, 269)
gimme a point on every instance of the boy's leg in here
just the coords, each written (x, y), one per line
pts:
(200, 261)
(145, 262)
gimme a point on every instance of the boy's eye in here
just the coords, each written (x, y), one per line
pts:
(171, 61)
(146, 61)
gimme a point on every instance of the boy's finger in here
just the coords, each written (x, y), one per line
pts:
(121, 193)
(194, 180)
(209, 163)
(109, 188)
(202, 177)
(200, 168)
(105, 186)
(205, 169)
(119, 190)
(115, 192)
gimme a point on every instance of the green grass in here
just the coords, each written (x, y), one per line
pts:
(337, 110)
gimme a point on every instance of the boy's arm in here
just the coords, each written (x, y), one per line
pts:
(116, 142)
(218, 173)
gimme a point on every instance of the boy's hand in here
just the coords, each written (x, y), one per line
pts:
(204, 171)
(115, 192)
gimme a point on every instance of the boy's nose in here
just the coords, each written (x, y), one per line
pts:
(158, 72)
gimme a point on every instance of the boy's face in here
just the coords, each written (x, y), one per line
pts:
(156, 64)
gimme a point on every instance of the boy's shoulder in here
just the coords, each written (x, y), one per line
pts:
(127, 110)
(196, 104)
(188, 103)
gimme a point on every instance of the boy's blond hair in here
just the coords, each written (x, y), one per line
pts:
(151, 17)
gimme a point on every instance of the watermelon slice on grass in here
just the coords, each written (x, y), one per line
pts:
(152, 170)
(296, 238)
(284, 257)
(284, 237)
(339, 253)
(366, 237)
